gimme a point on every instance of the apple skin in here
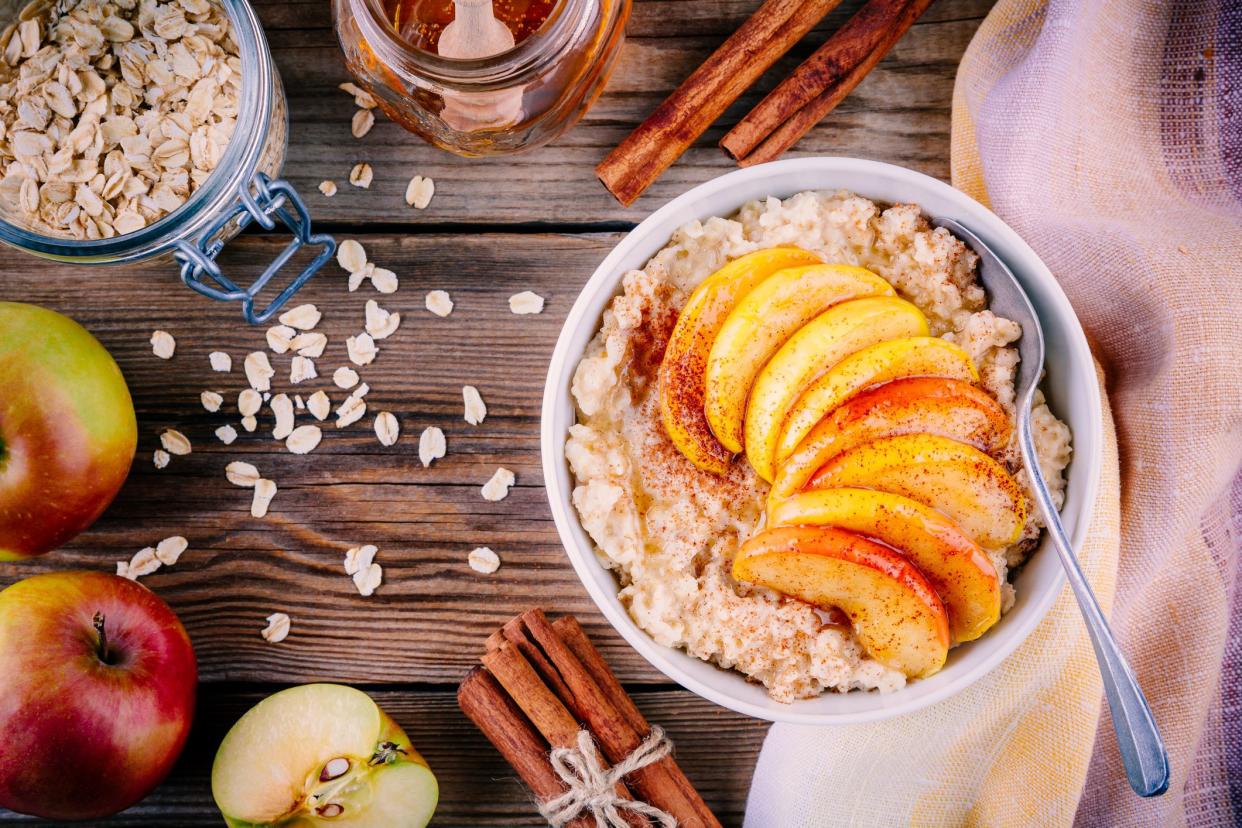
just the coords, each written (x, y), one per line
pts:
(67, 430)
(82, 738)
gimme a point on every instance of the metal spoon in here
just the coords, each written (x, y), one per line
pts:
(1142, 749)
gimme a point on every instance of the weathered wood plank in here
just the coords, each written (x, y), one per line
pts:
(477, 788)
(897, 114)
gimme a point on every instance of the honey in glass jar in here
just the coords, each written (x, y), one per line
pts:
(420, 22)
(521, 97)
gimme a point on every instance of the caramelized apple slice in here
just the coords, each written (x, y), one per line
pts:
(821, 343)
(970, 488)
(896, 614)
(918, 356)
(957, 569)
(684, 365)
(920, 405)
(762, 322)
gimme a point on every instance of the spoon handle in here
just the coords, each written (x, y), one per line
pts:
(1138, 738)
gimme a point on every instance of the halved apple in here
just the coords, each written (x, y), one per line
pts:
(821, 343)
(683, 368)
(918, 356)
(320, 755)
(960, 572)
(919, 405)
(896, 614)
(762, 322)
(970, 488)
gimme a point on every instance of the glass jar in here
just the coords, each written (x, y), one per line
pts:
(240, 190)
(516, 100)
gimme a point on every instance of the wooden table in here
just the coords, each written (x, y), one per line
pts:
(537, 222)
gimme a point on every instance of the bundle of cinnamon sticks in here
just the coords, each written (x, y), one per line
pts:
(540, 684)
(777, 122)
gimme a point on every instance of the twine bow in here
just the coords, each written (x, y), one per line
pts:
(594, 789)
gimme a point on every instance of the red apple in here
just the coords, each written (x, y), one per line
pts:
(67, 430)
(97, 681)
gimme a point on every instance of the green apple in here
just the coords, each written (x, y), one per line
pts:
(321, 755)
(97, 683)
(67, 430)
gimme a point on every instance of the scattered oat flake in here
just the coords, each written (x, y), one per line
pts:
(345, 377)
(249, 423)
(304, 439)
(419, 191)
(328, 188)
(526, 302)
(359, 558)
(226, 434)
(279, 338)
(310, 344)
(160, 458)
(368, 579)
(174, 442)
(303, 317)
(211, 401)
(264, 491)
(122, 569)
(277, 629)
(301, 370)
(169, 549)
(380, 323)
(387, 429)
(476, 409)
(249, 402)
(384, 280)
(144, 562)
(319, 405)
(351, 411)
(497, 488)
(362, 98)
(163, 344)
(361, 391)
(241, 473)
(361, 349)
(439, 302)
(282, 408)
(220, 361)
(259, 371)
(359, 276)
(361, 175)
(483, 560)
(431, 445)
(363, 120)
(350, 256)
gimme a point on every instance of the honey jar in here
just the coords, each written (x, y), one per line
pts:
(415, 58)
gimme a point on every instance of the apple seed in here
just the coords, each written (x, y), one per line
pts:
(334, 768)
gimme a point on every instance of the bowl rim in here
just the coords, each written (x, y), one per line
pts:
(607, 275)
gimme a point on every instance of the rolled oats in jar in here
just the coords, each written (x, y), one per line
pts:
(136, 129)
(112, 112)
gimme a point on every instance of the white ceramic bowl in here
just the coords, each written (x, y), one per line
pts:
(1070, 385)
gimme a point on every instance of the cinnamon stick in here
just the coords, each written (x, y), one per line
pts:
(821, 82)
(571, 632)
(661, 139)
(541, 706)
(661, 783)
(500, 720)
(515, 631)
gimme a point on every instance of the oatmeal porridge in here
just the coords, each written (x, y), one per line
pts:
(699, 493)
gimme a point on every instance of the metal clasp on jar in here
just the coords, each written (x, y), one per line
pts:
(264, 201)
